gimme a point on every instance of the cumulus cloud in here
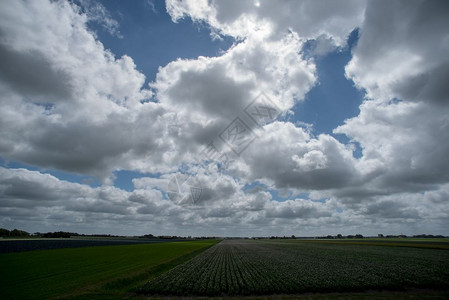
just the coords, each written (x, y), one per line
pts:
(44, 198)
(37, 197)
(298, 209)
(402, 50)
(70, 104)
(330, 21)
(402, 126)
(90, 112)
(67, 102)
(289, 157)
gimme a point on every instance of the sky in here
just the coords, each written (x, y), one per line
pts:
(225, 118)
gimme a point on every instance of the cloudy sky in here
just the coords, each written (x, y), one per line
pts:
(225, 117)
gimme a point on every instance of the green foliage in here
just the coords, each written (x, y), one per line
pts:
(267, 267)
(58, 234)
(69, 272)
(13, 233)
(17, 232)
(4, 232)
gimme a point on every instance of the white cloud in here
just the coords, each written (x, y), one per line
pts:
(34, 196)
(402, 51)
(289, 157)
(84, 105)
(209, 92)
(405, 142)
(70, 104)
(36, 201)
(298, 209)
(220, 87)
(96, 12)
(309, 19)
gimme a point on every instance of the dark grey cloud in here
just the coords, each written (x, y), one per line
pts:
(33, 75)
(404, 43)
(430, 86)
(391, 209)
(291, 210)
(211, 91)
(13, 188)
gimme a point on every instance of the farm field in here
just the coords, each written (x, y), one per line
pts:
(19, 245)
(400, 242)
(90, 272)
(286, 267)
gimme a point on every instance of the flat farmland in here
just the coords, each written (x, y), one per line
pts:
(106, 272)
(282, 267)
(20, 245)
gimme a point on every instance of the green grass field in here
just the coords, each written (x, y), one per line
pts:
(91, 272)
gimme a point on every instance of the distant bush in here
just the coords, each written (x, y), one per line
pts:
(58, 234)
(148, 236)
(13, 233)
(428, 236)
(4, 232)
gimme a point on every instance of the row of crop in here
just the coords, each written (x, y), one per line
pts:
(261, 267)
(348, 267)
(176, 281)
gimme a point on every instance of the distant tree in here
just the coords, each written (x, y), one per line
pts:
(339, 236)
(293, 236)
(359, 236)
(17, 232)
(4, 232)
(380, 235)
(57, 234)
(428, 236)
(423, 236)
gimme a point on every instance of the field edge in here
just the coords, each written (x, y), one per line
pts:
(128, 287)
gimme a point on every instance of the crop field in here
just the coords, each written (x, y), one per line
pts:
(291, 268)
(408, 242)
(92, 272)
(269, 267)
(19, 245)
